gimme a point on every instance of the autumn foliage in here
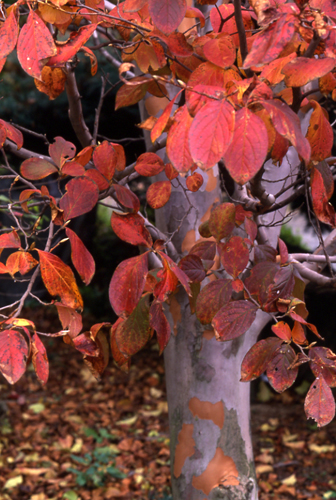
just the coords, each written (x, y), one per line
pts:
(232, 96)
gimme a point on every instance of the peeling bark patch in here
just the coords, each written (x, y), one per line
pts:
(189, 241)
(184, 449)
(212, 181)
(207, 410)
(221, 470)
(204, 372)
(175, 311)
(209, 334)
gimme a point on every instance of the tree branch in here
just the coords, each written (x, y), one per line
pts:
(75, 110)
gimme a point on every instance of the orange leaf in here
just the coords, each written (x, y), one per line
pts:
(282, 330)
(81, 257)
(194, 182)
(211, 133)
(132, 92)
(324, 211)
(162, 120)
(69, 49)
(40, 359)
(302, 70)
(21, 262)
(133, 334)
(61, 150)
(52, 82)
(35, 44)
(222, 220)
(320, 134)
(71, 320)
(10, 240)
(158, 194)
(12, 133)
(319, 403)
(59, 280)
(220, 51)
(248, 149)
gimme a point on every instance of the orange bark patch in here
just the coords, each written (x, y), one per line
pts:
(189, 241)
(221, 470)
(155, 104)
(184, 449)
(208, 334)
(208, 411)
(212, 181)
(175, 311)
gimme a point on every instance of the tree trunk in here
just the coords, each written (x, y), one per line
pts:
(209, 410)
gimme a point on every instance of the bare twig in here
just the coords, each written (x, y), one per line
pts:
(98, 110)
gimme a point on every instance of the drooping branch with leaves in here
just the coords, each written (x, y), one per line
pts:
(232, 109)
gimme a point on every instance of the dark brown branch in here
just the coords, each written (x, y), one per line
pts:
(75, 110)
(241, 29)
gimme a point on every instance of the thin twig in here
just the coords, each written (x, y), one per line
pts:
(98, 110)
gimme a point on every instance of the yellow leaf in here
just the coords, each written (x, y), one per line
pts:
(290, 480)
(13, 482)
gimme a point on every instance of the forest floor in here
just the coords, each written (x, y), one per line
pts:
(79, 439)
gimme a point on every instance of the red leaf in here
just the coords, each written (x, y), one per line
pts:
(257, 358)
(86, 345)
(287, 124)
(37, 168)
(61, 150)
(178, 141)
(264, 253)
(69, 49)
(248, 148)
(167, 14)
(234, 256)
(149, 164)
(220, 51)
(127, 284)
(71, 320)
(194, 182)
(192, 266)
(40, 359)
(212, 298)
(282, 286)
(278, 372)
(237, 285)
(260, 279)
(59, 280)
(202, 94)
(323, 364)
(122, 361)
(105, 159)
(12, 133)
(283, 251)
(10, 240)
(80, 197)
(133, 334)
(230, 25)
(158, 194)
(13, 355)
(168, 282)
(180, 275)
(302, 70)
(211, 132)
(222, 220)
(323, 209)
(98, 178)
(73, 169)
(206, 250)
(320, 134)
(269, 44)
(21, 262)
(35, 44)
(131, 228)
(8, 34)
(234, 319)
(319, 403)
(81, 257)
(282, 330)
(159, 322)
(127, 198)
(251, 229)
